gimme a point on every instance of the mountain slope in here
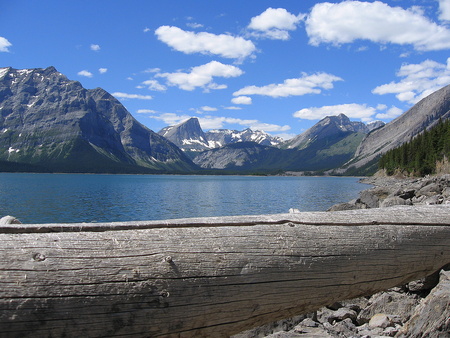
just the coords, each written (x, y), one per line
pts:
(52, 123)
(327, 128)
(328, 144)
(423, 115)
(187, 135)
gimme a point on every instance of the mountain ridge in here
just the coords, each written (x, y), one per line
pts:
(49, 121)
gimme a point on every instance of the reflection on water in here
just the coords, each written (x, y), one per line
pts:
(55, 198)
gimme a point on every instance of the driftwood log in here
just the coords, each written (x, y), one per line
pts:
(207, 276)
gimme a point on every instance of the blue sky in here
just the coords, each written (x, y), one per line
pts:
(278, 66)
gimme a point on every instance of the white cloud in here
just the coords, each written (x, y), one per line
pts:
(418, 81)
(444, 8)
(194, 25)
(208, 108)
(95, 48)
(146, 29)
(392, 113)
(102, 70)
(188, 42)
(242, 100)
(347, 21)
(146, 111)
(351, 110)
(274, 23)
(152, 70)
(154, 85)
(131, 96)
(202, 76)
(4, 44)
(232, 108)
(307, 84)
(85, 73)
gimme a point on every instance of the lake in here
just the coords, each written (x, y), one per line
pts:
(67, 198)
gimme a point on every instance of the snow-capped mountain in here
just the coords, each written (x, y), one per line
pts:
(190, 137)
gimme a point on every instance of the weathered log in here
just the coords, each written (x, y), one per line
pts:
(207, 276)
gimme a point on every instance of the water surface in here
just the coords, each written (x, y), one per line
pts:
(55, 198)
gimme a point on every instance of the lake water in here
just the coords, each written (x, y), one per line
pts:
(67, 198)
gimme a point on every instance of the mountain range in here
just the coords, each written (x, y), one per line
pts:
(190, 137)
(49, 123)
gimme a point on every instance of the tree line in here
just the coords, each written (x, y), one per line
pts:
(420, 155)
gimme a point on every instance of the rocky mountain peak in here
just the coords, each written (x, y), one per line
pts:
(53, 122)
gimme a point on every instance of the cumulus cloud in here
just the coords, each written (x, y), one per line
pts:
(242, 100)
(95, 48)
(85, 73)
(131, 96)
(202, 76)
(4, 44)
(154, 85)
(102, 70)
(274, 23)
(444, 8)
(347, 21)
(146, 111)
(351, 110)
(418, 81)
(391, 113)
(188, 42)
(307, 84)
(208, 108)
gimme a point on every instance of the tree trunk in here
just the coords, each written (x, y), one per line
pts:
(211, 276)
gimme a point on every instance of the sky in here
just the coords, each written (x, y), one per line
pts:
(277, 66)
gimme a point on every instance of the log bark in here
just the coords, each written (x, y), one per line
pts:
(207, 276)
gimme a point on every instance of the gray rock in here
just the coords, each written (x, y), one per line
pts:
(389, 303)
(405, 194)
(429, 190)
(381, 320)
(9, 220)
(446, 192)
(431, 317)
(372, 197)
(394, 200)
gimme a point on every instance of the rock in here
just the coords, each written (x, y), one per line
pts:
(446, 192)
(433, 200)
(9, 220)
(342, 314)
(308, 322)
(405, 194)
(394, 200)
(424, 284)
(345, 328)
(389, 303)
(372, 197)
(429, 190)
(380, 320)
(431, 317)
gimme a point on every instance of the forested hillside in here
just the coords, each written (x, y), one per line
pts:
(421, 155)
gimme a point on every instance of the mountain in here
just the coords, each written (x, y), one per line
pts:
(222, 137)
(50, 123)
(423, 115)
(330, 127)
(328, 144)
(190, 137)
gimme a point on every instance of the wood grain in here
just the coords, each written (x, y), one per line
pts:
(207, 276)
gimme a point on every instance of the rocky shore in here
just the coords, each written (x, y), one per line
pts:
(418, 309)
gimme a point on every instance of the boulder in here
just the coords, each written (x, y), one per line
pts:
(389, 303)
(9, 220)
(431, 317)
(429, 190)
(394, 200)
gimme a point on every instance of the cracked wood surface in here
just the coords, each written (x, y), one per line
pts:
(211, 276)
